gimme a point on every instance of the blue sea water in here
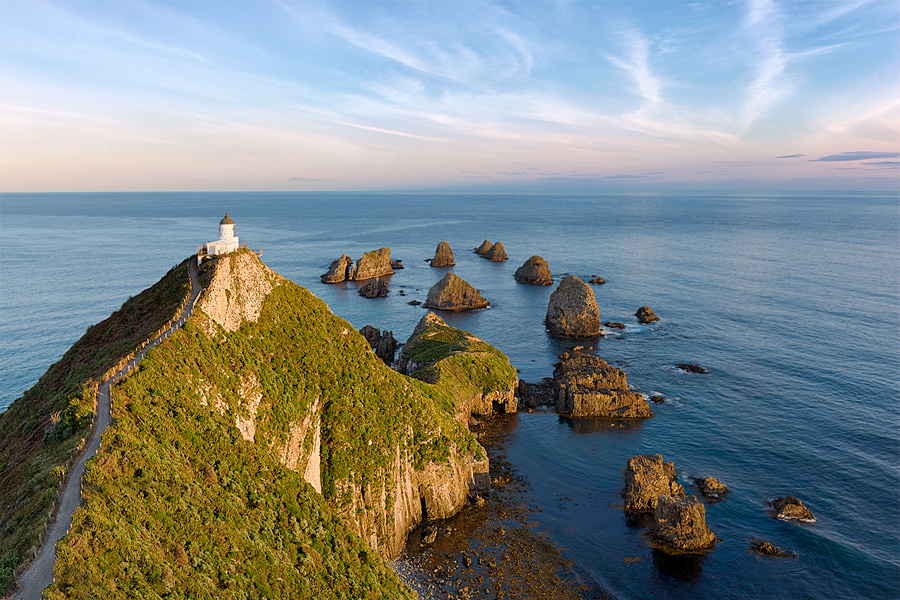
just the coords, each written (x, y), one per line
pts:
(791, 301)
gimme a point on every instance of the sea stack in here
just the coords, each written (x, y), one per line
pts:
(339, 270)
(645, 315)
(484, 247)
(443, 256)
(680, 525)
(454, 293)
(496, 253)
(647, 478)
(585, 386)
(376, 263)
(535, 271)
(572, 310)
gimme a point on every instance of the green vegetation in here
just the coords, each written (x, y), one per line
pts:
(179, 504)
(42, 432)
(458, 364)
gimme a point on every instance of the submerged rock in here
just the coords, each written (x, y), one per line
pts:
(396, 264)
(572, 310)
(376, 263)
(711, 487)
(535, 271)
(680, 525)
(376, 288)
(691, 368)
(484, 247)
(586, 386)
(613, 325)
(647, 478)
(339, 270)
(645, 314)
(657, 399)
(597, 281)
(768, 549)
(443, 256)
(790, 508)
(454, 293)
(496, 253)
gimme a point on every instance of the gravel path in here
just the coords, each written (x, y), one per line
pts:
(39, 574)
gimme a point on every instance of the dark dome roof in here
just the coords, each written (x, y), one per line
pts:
(227, 220)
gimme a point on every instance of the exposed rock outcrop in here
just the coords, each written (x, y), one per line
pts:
(572, 310)
(484, 247)
(535, 271)
(495, 253)
(690, 368)
(396, 264)
(239, 283)
(339, 270)
(647, 478)
(586, 386)
(614, 325)
(768, 549)
(789, 508)
(645, 315)
(443, 256)
(376, 263)
(597, 281)
(454, 293)
(711, 487)
(438, 354)
(375, 288)
(680, 525)
(384, 344)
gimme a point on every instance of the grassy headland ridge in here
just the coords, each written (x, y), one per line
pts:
(206, 481)
(43, 431)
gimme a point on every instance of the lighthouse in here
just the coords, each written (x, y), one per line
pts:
(227, 242)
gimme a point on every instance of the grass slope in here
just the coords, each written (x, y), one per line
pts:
(41, 432)
(178, 504)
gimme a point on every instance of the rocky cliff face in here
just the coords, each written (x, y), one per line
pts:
(238, 285)
(572, 310)
(586, 386)
(378, 445)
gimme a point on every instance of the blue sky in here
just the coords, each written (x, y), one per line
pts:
(541, 95)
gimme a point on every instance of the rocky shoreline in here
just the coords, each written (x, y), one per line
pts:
(490, 548)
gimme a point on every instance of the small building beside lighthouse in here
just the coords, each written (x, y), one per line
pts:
(227, 242)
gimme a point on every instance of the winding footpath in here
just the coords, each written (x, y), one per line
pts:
(39, 574)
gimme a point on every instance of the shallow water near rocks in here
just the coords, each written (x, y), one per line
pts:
(790, 301)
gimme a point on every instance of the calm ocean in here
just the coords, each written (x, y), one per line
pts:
(791, 302)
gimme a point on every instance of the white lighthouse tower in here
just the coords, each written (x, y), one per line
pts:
(227, 242)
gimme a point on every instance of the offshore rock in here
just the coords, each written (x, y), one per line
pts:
(453, 293)
(790, 508)
(680, 525)
(572, 310)
(614, 325)
(376, 288)
(586, 386)
(535, 271)
(645, 315)
(496, 253)
(647, 478)
(597, 281)
(711, 487)
(768, 549)
(692, 368)
(339, 270)
(376, 263)
(396, 264)
(443, 256)
(484, 247)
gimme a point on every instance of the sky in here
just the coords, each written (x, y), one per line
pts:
(541, 95)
